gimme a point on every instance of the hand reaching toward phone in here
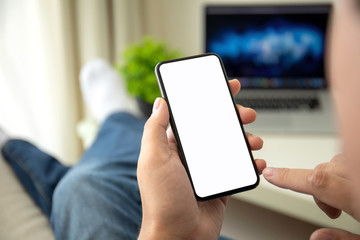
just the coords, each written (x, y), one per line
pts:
(170, 209)
(334, 186)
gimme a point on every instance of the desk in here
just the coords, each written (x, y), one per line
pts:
(296, 151)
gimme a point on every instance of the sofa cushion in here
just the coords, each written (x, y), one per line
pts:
(20, 218)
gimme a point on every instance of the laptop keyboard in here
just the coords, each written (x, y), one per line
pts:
(280, 103)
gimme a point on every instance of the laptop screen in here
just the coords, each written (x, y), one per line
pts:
(270, 47)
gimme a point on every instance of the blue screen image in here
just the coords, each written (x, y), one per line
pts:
(274, 50)
(269, 46)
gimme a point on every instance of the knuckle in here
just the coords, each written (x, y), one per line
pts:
(322, 166)
(284, 174)
(319, 180)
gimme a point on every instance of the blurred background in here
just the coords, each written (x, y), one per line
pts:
(42, 48)
(44, 44)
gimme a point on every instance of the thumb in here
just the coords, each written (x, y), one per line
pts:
(333, 234)
(156, 126)
(155, 140)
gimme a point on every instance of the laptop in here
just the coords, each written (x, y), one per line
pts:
(277, 53)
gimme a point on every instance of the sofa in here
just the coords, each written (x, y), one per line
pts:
(20, 218)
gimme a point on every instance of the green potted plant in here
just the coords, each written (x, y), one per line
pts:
(137, 68)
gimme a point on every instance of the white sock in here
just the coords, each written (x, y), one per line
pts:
(104, 91)
(3, 138)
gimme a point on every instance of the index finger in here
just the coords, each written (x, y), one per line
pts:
(294, 179)
(326, 187)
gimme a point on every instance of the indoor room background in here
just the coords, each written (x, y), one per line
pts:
(44, 44)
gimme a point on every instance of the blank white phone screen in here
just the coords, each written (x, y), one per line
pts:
(208, 127)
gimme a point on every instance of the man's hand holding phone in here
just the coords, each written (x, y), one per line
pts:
(170, 209)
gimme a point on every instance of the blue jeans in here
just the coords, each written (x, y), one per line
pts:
(96, 199)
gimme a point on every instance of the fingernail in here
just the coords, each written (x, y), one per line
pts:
(268, 172)
(156, 105)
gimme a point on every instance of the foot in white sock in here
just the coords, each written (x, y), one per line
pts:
(104, 91)
(3, 138)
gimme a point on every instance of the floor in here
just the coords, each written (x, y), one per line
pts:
(249, 222)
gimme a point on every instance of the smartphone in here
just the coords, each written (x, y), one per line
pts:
(207, 127)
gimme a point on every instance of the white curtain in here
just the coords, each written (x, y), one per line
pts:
(43, 44)
(38, 97)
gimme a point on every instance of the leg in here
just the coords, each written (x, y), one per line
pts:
(38, 172)
(99, 198)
